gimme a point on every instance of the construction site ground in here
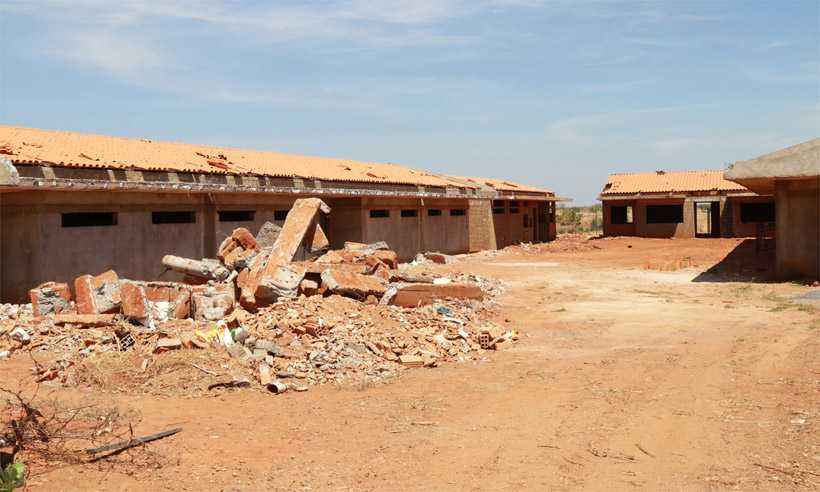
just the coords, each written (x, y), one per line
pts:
(630, 373)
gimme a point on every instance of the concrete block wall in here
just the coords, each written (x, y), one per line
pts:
(447, 232)
(509, 225)
(798, 228)
(37, 248)
(730, 221)
(738, 227)
(611, 229)
(481, 228)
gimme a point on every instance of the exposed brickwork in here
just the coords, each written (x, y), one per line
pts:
(481, 228)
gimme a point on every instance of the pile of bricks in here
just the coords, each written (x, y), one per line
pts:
(279, 303)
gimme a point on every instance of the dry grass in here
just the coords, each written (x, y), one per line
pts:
(174, 373)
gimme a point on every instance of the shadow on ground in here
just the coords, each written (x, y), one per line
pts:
(748, 262)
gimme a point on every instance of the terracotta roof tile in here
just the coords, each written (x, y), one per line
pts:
(502, 185)
(669, 182)
(70, 149)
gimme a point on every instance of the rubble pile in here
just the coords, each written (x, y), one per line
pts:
(278, 310)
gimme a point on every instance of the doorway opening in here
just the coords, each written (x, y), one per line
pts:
(707, 219)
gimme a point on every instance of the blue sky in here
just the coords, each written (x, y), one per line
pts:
(553, 93)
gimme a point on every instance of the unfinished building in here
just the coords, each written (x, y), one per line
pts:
(74, 203)
(520, 213)
(683, 204)
(792, 175)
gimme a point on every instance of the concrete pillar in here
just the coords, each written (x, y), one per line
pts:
(209, 226)
(2, 280)
(481, 231)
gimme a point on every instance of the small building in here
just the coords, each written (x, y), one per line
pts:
(792, 175)
(73, 203)
(520, 213)
(682, 204)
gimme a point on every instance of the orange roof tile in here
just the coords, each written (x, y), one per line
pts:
(668, 182)
(502, 185)
(70, 149)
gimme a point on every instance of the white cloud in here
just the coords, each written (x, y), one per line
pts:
(125, 57)
(778, 44)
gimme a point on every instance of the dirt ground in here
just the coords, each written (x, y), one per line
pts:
(625, 377)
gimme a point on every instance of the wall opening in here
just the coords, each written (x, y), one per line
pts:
(458, 212)
(757, 212)
(89, 219)
(236, 215)
(433, 212)
(664, 214)
(173, 217)
(280, 215)
(514, 207)
(379, 213)
(409, 213)
(621, 214)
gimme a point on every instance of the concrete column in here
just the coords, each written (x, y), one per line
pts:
(2, 280)
(209, 227)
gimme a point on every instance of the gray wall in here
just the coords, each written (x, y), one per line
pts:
(36, 247)
(798, 228)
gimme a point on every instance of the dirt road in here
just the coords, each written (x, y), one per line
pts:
(624, 378)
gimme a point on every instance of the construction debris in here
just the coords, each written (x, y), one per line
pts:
(50, 298)
(413, 295)
(351, 284)
(270, 309)
(266, 237)
(206, 268)
(98, 295)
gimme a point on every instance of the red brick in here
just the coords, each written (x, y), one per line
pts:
(134, 301)
(244, 238)
(50, 298)
(100, 294)
(139, 299)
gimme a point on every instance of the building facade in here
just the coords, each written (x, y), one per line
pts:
(792, 175)
(73, 203)
(683, 204)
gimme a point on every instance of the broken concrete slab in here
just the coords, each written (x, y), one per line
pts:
(98, 295)
(320, 241)
(388, 257)
(412, 295)
(366, 248)
(50, 298)
(206, 268)
(350, 284)
(402, 277)
(266, 237)
(295, 241)
(212, 302)
(281, 281)
(411, 360)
